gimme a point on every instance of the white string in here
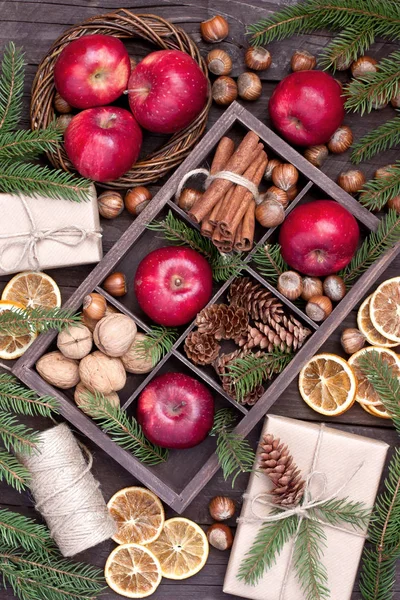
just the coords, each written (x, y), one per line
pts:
(229, 175)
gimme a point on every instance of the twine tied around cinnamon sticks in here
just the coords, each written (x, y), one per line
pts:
(226, 210)
(303, 510)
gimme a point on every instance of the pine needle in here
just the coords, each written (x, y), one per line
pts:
(157, 343)
(235, 455)
(376, 141)
(19, 321)
(19, 399)
(348, 45)
(11, 87)
(343, 510)
(18, 531)
(12, 472)
(16, 436)
(28, 144)
(386, 236)
(123, 430)
(270, 262)
(308, 552)
(377, 192)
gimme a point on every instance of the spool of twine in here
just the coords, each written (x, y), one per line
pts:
(66, 493)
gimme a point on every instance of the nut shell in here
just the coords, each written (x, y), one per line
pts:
(275, 194)
(312, 286)
(102, 373)
(63, 121)
(341, 140)
(352, 181)
(334, 288)
(316, 155)
(285, 176)
(249, 86)
(80, 398)
(135, 361)
(220, 536)
(75, 342)
(61, 105)
(303, 61)
(110, 204)
(188, 198)
(114, 334)
(214, 30)
(290, 285)
(384, 172)
(219, 62)
(352, 340)
(270, 167)
(94, 306)
(257, 58)
(115, 284)
(395, 101)
(270, 213)
(58, 370)
(137, 199)
(221, 508)
(292, 192)
(364, 64)
(394, 204)
(318, 308)
(224, 90)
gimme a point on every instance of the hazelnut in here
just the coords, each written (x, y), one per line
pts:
(341, 64)
(284, 176)
(351, 181)
(249, 86)
(316, 155)
(395, 101)
(290, 285)
(110, 204)
(136, 359)
(75, 342)
(384, 172)
(221, 508)
(394, 204)
(58, 370)
(188, 198)
(63, 121)
(101, 373)
(257, 58)
(114, 334)
(318, 308)
(270, 213)
(312, 286)
(137, 199)
(303, 61)
(81, 400)
(364, 64)
(115, 284)
(270, 167)
(341, 140)
(224, 90)
(334, 288)
(94, 306)
(352, 340)
(276, 194)
(292, 192)
(219, 62)
(215, 29)
(220, 536)
(61, 105)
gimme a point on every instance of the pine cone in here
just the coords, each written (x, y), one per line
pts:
(290, 331)
(221, 364)
(260, 303)
(222, 321)
(277, 463)
(264, 338)
(201, 348)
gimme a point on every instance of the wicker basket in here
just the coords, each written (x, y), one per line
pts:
(122, 24)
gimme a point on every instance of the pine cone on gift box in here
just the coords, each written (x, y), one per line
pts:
(259, 302)
(277, 463)
(222, 321)
(201, 348)
(221, 364)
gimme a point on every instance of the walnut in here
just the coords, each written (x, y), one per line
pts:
(80, 398)
(136, 360)
(75, 342)
(114, 334)
(57, 369)
(102, 373)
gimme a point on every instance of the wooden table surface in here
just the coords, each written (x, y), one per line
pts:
(34, 25)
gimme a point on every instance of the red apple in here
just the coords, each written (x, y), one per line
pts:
(167, 90)
(103, 143)
(173, 284)
(307, 107)
(92, 71)
(319, 238)
(175, 411)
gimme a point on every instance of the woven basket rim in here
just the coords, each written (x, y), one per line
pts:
(123, 24)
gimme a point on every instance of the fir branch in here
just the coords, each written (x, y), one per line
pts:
(224, 266)
(376, 141)
(308, 551)
(234, 453)
(17, 436)
(19, 399)
(266, 548)
(157, 343)
(348, 45)
(19, 321)
(367, 91)
(28, 144)
(18, 531)
(342, 510)
(25, 178)
(12, 472)
(250, 371)
(123, 430)
(11, 87)
(386, 236)
(270, 262)
(377, 192)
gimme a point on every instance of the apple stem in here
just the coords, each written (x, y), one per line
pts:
(178, 406)
(137, 90)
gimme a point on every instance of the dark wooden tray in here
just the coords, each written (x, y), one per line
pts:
(186, 472)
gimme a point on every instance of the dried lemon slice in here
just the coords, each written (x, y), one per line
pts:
(384, 309)
(14, 345)
(139, 515)
(328, 384)
(367, 328)
(182, 548)
(33, 289)
(132, 571)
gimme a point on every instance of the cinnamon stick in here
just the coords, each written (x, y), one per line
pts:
(242, 198)
(220, 208)
(223, 243)
(244, 238)
(238, 163)
(207, 228)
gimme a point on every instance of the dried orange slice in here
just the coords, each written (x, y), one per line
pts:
(33, 289)
(132, 571)
(327, 384)
(182, 548)
(384, 309)
(14, 345)
(366, 394)
(139, 515)
(367, 328)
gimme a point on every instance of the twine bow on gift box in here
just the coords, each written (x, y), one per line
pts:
(27, 241)
(311, 509)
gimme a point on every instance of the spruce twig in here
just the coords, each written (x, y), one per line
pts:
(28, 144)
(19, 321)
(376, 141)
(270, 262)
(157, 343)
(234, 452)
(343, 510)
(18, 531)
(12, 472)
(377, 192)
(308, 551)
(11, 87)
(19, 399)
(348, 45)
(16, 436)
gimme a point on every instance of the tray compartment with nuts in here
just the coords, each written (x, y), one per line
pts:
(178, 484)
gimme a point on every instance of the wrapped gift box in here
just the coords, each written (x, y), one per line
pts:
(41, 233)
(339, 456)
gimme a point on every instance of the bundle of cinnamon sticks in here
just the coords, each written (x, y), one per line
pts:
(226, 211)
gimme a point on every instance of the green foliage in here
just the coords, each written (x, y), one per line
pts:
(19, 399)
(250, 371)
(307, 560)
(157, 343)
(17, 436)
(376, 141)
(123, 430)
(17, 531)
(270, 262)
(224, 266)
(12, 472)
(342, 510)
(348, 45)
(21, 320)
(28, 144)
(377, 192)
(234, 452)
(266, 548)
(374, 245)
(11, 87)
(367, 91)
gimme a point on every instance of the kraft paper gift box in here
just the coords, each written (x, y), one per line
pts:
(39, 233)
(339, 456)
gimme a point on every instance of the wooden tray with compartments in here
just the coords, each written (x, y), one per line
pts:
(186, 472)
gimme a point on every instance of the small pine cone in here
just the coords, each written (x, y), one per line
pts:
(222, 321)
(258, 301)
(235, 322)
(290, 332)
(201, 348)
(221, 364)
(277, 463)
(261, 336)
